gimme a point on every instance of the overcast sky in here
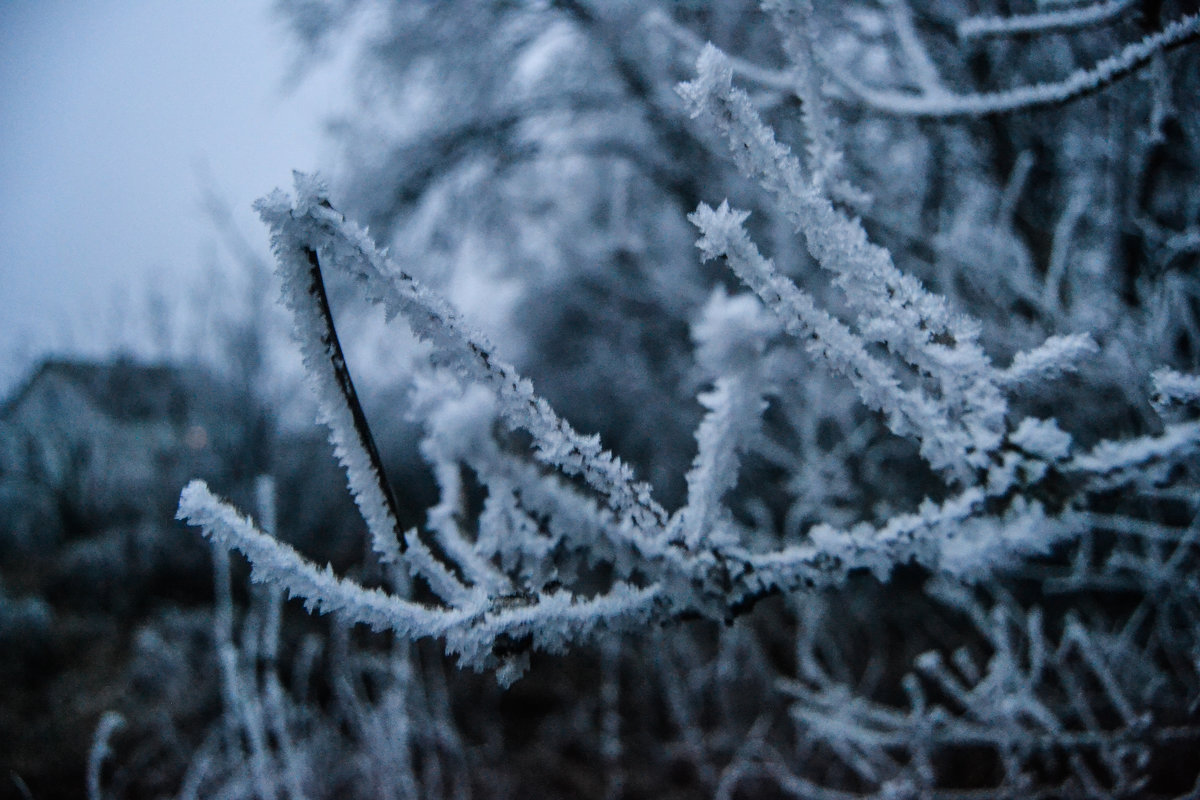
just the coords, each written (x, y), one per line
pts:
(109, 111)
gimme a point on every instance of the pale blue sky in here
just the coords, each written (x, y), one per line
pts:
(107, 109)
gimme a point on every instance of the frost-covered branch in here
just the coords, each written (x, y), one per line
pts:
(474, 632)
(731, 340)
(1031, 694)
(909, 412)
(894, 308)
(545, 545)
(354, 444)
(1051, 358)
(1112, 461)
(1081, 16)
(1078, 84)
(277, 563)
(310, 225)
(110, 723)
(824, 160)
(780, 80)
(919, 61)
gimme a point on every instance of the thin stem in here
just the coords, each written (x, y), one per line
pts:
(1043, 21)
(337, 360)
(937, 105)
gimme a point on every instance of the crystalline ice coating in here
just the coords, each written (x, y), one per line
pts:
(555, 508)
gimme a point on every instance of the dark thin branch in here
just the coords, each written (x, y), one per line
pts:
(337, 360)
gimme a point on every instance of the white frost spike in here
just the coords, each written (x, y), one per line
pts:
(735, 407)
(1056, 355)
(730, 339)
(1173, 388)
(1042, 438)
(1116, 459)
(732, 332)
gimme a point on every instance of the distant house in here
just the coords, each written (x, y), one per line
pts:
(86, 445)
(93, 565)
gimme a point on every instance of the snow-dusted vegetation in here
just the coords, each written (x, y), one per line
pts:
(961, 368)
(810, 394)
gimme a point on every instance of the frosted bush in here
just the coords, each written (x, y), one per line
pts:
(569, 545)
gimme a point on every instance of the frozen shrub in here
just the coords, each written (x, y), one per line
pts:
(1048, 572)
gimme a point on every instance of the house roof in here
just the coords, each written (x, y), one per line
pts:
(124, 389)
